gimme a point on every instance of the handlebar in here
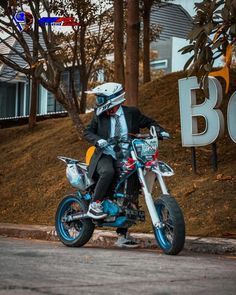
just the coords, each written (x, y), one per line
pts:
(142, 136)
(116, 140)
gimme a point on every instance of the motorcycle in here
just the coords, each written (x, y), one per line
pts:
(136, 173)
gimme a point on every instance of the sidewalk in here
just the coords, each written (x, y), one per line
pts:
(105, 239)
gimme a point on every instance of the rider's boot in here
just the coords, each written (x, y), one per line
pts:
(126, 241)
(95, 210)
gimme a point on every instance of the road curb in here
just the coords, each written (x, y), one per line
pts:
(105, 239)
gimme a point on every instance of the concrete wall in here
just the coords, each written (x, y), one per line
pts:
(178, 60)
(164, 52)
(168, 49)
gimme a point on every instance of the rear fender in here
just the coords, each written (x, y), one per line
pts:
(83, 166)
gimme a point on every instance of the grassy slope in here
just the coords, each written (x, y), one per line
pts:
(32, 180)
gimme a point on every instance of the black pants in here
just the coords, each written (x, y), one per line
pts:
(106, 171)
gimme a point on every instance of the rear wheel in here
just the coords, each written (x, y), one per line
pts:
(171, 237)
(74, 233)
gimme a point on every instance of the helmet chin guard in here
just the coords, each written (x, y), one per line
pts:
(108, 95)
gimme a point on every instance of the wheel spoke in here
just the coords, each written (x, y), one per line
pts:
(73, 232)
(171, 236)
(168, 229)
(169, 233)
(169, 224)
(71, 228)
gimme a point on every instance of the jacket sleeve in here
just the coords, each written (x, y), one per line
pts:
(146, 122)
(90, 131)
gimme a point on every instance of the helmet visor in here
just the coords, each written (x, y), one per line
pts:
(100, 100)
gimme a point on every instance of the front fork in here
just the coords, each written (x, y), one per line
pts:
(148, 197)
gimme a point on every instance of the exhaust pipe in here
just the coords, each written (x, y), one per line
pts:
(74, 217)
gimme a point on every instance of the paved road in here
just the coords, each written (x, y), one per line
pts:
(30, 267)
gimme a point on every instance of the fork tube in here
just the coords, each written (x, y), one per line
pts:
(148, 197)
(162, 184)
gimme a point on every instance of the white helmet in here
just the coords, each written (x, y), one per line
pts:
(108, 95)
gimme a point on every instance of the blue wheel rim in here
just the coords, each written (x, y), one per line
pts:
(64, 232)
(161, 233)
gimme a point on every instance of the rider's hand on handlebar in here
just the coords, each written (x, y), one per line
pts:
(163, 135)
(101, 143)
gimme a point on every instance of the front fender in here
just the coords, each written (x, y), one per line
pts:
(162, 169)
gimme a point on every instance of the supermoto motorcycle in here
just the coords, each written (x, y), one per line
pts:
(136, 175)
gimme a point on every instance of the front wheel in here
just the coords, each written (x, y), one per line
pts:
(74, 233)
(171, 236)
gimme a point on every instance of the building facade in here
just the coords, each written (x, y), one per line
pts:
(175, 23)
(15, 88)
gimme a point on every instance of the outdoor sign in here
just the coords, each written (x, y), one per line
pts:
(209, 110)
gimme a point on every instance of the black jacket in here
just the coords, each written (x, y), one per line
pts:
(99, 128)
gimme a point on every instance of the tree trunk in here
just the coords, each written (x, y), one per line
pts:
(76, 121)
(119, 74)
(83, 69)
(34, 89)
(69, 105)
(83, 102)
(146, 41)
(72, 88)
(132, 53)
(33, 103)
(83, 98)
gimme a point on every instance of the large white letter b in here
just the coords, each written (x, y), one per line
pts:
(189, 111)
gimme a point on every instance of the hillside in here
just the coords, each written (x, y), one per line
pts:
(32, 180)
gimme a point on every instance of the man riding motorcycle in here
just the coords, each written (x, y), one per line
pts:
(111, 119)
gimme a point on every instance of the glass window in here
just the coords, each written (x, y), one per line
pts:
(20, 107)
(7, 99)
(159, 64)
(27, 103)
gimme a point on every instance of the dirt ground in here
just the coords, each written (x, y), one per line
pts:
(33, 181)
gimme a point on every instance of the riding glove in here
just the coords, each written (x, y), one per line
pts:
(163, 135)
(102, 143)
